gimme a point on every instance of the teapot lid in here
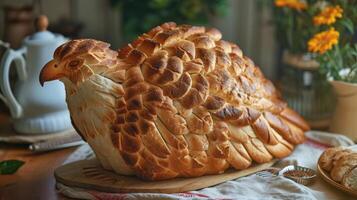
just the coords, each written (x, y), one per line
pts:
(42, 36)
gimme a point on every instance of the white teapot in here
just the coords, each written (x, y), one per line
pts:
(34, 109)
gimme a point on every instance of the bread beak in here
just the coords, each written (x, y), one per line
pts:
(51, 71)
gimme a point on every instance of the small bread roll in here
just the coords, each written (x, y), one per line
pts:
(330, 155)
(342, 166)
(350, 179)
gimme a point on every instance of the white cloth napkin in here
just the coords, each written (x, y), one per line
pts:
(251, 187)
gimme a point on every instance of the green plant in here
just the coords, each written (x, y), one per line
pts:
(140, 16)
(295, 24)
(326, 28)
(340, 63)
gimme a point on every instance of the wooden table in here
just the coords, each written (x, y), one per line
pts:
(34, 180)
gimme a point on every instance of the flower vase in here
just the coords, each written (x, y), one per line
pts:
(344, 120)
(306, 90)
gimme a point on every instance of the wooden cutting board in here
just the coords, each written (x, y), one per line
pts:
(90, 175)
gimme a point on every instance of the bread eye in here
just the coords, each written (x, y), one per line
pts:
(74, 63)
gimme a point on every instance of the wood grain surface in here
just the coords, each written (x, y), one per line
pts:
(34, 180)
(89, 174)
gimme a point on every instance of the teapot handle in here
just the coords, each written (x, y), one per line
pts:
(7, 95)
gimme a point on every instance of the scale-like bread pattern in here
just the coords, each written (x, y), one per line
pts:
(193, 104)
(203, 106)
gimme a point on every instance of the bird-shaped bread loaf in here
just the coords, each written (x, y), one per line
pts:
(176, 102)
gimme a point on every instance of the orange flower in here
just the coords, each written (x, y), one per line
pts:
(328, 15)
(323, 41)
(294, 4)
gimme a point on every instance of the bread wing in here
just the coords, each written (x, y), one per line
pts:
(194, 105)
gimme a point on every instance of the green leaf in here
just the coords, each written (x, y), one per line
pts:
(354, 52)
(348, 24)
(10, 166)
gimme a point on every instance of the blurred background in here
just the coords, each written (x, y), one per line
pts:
(262, 29)
(244, 22)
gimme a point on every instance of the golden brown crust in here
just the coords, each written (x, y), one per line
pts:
(193, 104)
(341, 163)
(350, 178)
(329, 156)
(257, 151)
